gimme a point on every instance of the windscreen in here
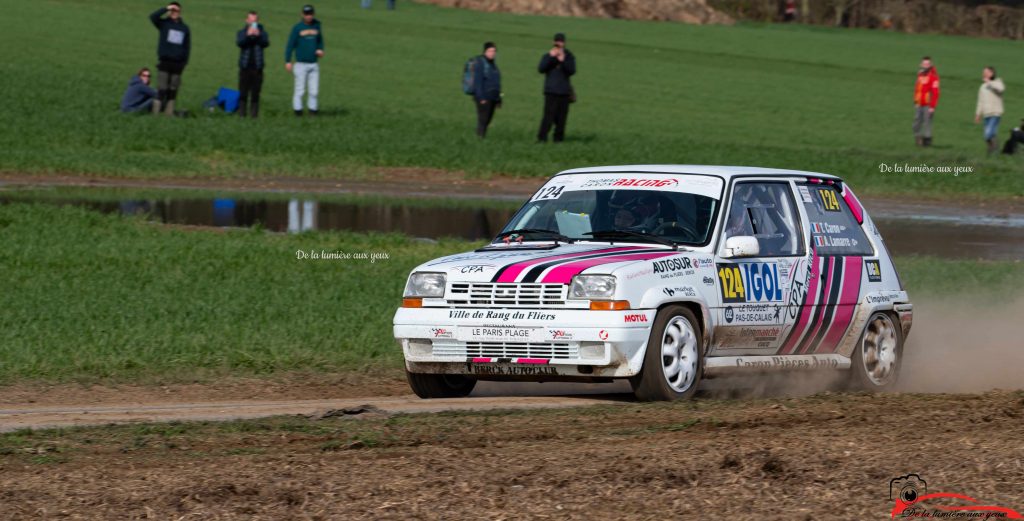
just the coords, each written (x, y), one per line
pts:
(678, 208)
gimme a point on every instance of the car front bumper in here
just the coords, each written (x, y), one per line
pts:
(560, 342)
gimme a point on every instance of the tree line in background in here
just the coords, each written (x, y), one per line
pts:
(992, 19)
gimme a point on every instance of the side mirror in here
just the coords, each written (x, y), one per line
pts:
(741, 246)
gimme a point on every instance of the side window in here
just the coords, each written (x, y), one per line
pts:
(765, 211)
(834, 231)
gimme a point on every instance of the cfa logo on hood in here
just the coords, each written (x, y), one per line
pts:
(750, 282)
(472, 268)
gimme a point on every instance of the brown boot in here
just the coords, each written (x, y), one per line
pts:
(992, 146)
(919, 141)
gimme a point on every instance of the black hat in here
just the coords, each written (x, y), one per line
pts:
(489, 45)
(559, 37)
(307, 9)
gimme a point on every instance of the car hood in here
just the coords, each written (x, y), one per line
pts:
(540, 263)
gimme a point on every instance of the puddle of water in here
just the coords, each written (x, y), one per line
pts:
(995, 239)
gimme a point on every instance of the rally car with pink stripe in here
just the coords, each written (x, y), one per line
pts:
(662, 275)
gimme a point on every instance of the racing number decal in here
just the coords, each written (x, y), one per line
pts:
(551, 192)
(828, 198)
(732, 284)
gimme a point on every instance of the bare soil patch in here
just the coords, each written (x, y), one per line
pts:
(827, 456)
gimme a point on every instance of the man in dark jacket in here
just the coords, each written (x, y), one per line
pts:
(486, 88)
(558, 64)
(306, 41)
(139, 96)
(172, 51)
(252, 39)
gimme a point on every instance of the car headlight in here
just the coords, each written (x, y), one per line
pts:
(425, 285)
(592, 286)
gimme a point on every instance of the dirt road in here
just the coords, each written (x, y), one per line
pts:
(827, 456)
(70, 416)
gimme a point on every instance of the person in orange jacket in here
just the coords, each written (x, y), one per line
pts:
(926, 98)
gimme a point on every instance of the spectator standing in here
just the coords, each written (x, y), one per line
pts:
(990, 106)
(789, 11)
(139, 96)
(486, 88)
(252, 39)
(557, 65)
(173, 49)
(926, 98)
(306, 42)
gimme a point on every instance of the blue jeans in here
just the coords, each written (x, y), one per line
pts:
(991, 127)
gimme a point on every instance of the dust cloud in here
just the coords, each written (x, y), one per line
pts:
(963, 347)
(954, 347)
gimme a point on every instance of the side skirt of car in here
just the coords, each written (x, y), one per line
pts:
(730, 365)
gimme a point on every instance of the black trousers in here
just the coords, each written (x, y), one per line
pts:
(556, 111)
(250, 82)
(484, 115)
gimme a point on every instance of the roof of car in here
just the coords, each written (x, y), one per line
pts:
(721, 171)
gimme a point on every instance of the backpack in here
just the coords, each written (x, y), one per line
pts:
(469, 75)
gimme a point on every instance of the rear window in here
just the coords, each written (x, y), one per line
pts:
(834, 231)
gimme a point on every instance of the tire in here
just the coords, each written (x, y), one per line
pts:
(440, 385)
(675, 330)
(869, 370)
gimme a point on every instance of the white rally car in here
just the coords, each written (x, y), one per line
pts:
(662, 275)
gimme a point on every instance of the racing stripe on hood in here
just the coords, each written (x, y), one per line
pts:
(511, 272)
(563, 274)
(848, 300)
(535, 273)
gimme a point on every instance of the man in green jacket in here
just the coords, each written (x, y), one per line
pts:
(307, 43)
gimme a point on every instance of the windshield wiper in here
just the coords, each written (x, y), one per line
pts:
(550, 233)
(610, 234)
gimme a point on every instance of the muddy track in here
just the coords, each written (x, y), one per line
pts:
(55, 417)
(827, 456)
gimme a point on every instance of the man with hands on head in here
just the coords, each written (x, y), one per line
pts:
(173, 49)
(307, 43)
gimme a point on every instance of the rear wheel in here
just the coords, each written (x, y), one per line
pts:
(440, 385)
(673, 361)
(876, 360)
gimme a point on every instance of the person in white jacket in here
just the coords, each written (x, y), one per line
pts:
(990, 106)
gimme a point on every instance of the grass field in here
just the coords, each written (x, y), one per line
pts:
(784, 96)
(94, 297)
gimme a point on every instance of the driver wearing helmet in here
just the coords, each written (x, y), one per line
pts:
(739, 221)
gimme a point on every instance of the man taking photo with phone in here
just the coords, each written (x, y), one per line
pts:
(558, 64)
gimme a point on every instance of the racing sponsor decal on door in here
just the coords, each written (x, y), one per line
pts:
(750, 282)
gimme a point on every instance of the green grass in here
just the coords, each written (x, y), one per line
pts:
(98, 297)
(769, 95)
(94, 296)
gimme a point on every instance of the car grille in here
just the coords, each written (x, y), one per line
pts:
(508, 350)
(506, 295)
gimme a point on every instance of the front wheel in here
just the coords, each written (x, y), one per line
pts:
(674, 359)
(876, 360)
(440, 385)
